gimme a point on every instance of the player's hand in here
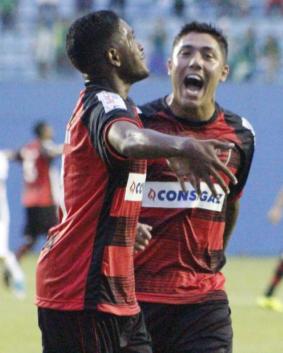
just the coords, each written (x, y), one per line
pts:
(274, 215)
(200, 163)
(143, 236)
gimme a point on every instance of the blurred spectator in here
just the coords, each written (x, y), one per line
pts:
(118, 6)
(271, 54)
(45, 50)
(62, 64)
(84, 6)
(224, 7)
(274, 7)
(243, 8)
(179, 8)
(244, 61)
(8, 13)
(232, 7)
(158, 48)
(47, 11)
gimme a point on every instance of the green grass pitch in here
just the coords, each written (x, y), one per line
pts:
(255, 330)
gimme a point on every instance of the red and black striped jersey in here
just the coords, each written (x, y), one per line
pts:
(38, 175)
(183, 261)
(87, 262)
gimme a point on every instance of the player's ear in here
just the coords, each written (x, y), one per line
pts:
(113, 57)
(169, 66)
(225, 73)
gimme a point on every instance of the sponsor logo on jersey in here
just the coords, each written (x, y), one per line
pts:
(170, 195)
(135, 186)
(111, 101)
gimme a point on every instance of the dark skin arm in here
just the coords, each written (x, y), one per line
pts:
(190, 159)
(232, 214)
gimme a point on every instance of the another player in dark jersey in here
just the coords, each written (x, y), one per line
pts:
(269, 300)
(85, 277)
(41, 191)
(179, 283)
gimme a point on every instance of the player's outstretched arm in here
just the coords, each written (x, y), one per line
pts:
(51, 149)
(195, 160)
(10, 154)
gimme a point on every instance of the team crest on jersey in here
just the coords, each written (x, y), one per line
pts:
(111, 101)
(135, 186)
(170, 195)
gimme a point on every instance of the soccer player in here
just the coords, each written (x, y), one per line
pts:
(12, 269)
(179, 283)
(269, 301)
(85, 276)
(41, 185)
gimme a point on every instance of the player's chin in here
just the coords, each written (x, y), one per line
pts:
(142, 73)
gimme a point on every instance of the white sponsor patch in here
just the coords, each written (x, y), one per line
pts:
(111, 101)
(135, 186)
(170, 195)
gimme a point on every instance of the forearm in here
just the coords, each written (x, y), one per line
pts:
(150, 144)
(232, 214)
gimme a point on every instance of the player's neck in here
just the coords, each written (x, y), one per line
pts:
(193, 113)
(113, 83)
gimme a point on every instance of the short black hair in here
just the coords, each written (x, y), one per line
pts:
(202, 27)
(88, 37)
(39, 127)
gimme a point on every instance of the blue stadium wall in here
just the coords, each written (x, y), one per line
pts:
(24, 103)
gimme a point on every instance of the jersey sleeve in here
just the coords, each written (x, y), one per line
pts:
(109, 109)
(246, 150)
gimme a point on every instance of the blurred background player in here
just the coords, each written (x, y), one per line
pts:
(41, 185)
(268, 300)
(179, 282)
(15, 279)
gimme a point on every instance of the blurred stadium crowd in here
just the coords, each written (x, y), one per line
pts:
(32, 34)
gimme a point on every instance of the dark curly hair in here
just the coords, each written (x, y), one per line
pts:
(202, 27)
(87, 40)
(39, 127)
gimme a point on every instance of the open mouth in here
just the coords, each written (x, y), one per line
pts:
(193, 82)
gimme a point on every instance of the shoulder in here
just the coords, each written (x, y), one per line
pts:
(111, 101)
(150, 109)
(240, 123)
(101, 106)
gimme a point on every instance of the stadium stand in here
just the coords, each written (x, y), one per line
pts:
(31, 46)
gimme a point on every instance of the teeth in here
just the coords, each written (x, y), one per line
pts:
(195, 77)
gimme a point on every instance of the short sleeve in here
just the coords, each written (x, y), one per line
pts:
(246, 149)
(109, 108)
